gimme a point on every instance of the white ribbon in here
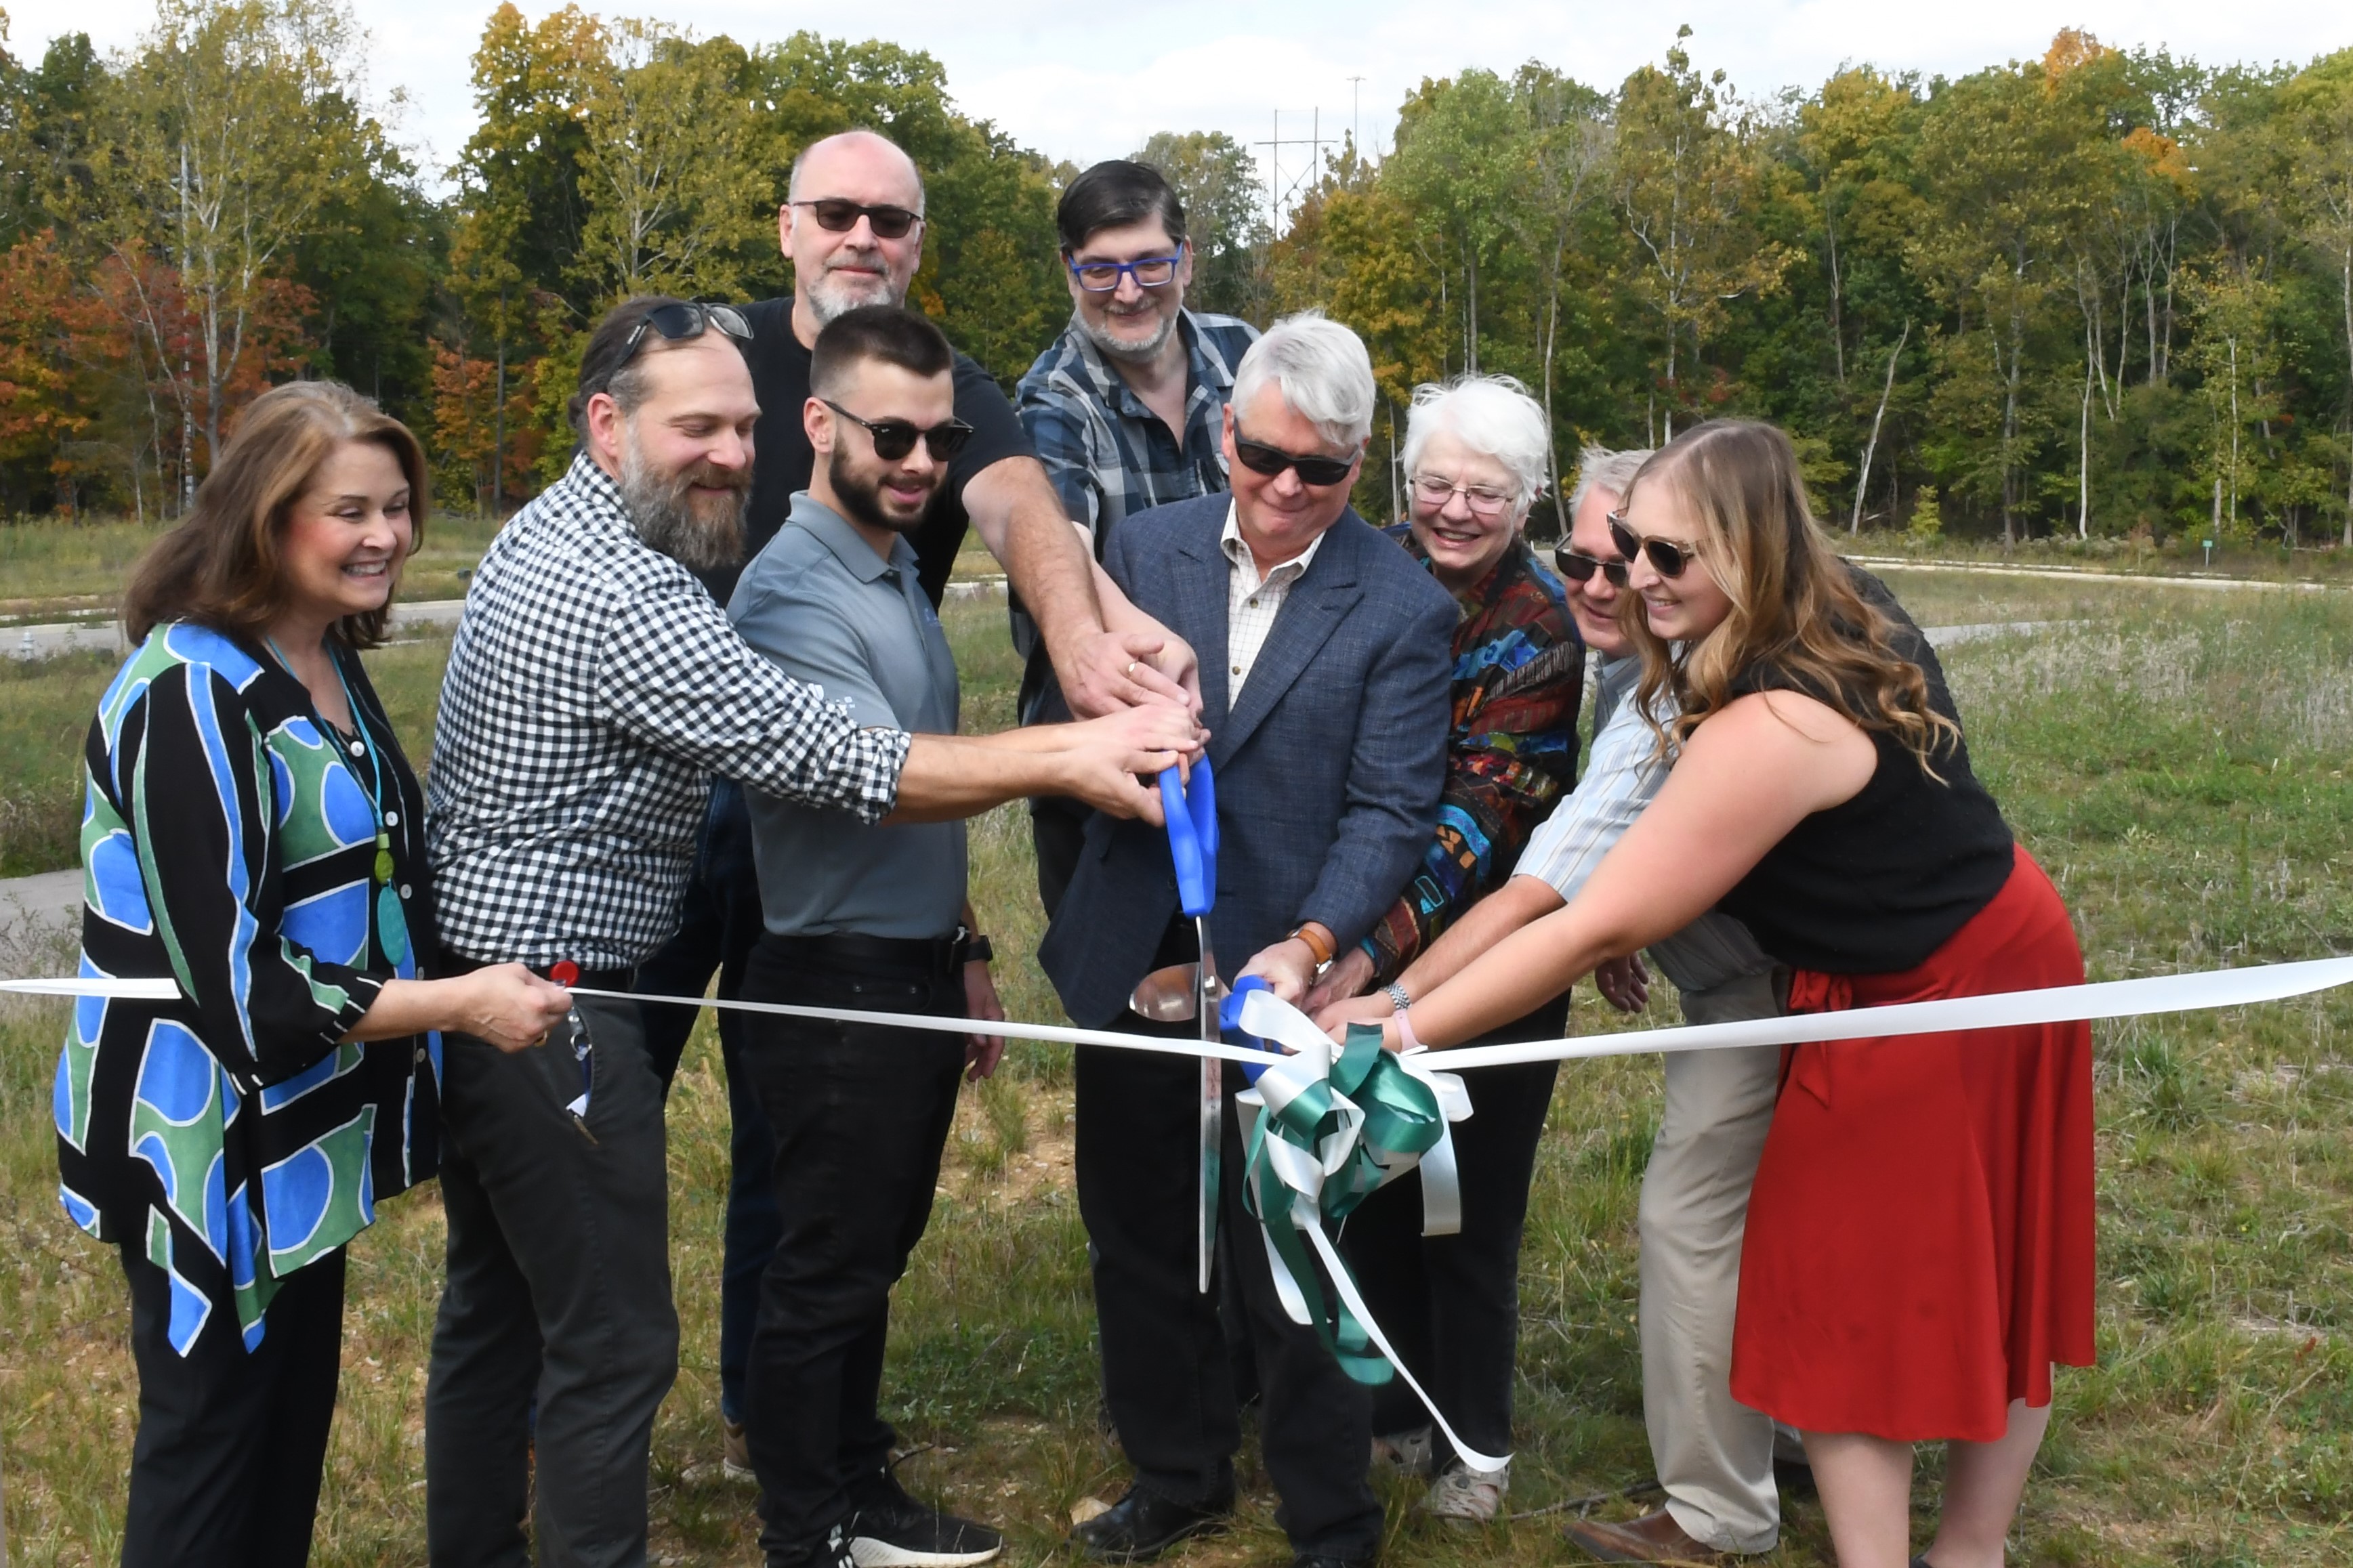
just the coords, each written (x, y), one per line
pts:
(1285, 1076)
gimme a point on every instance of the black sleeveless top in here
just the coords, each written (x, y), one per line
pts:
(1875, 884)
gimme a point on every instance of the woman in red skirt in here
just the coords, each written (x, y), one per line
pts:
(1919, 1245)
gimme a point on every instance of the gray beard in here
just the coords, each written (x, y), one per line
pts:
(828, 302)
(1119, 349)
(664, 515)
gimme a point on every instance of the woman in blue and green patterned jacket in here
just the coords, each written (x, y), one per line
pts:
(253, 833)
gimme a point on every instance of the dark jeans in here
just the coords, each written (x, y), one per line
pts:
(720, 923)
(558, 1293)
(1451, 1304)
(861, 1114)
(1167, 1377)
(226, 1468)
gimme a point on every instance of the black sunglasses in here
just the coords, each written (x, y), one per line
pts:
(837, 215)
(678, 322)
(1579, 568)
(895, 438)
(1665, 555)
(1261, 458)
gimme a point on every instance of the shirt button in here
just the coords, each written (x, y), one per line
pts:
(421, 1056)
(404, 889)
(1238, 669)
(392, 819)
(359, 749)
(1253, 604)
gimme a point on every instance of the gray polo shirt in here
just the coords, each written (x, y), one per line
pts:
(831, 613)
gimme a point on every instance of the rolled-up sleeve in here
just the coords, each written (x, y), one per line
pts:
(673, 673)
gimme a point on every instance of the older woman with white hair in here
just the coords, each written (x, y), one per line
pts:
(1476, 450)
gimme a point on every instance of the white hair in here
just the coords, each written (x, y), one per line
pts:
(1323, 372)
(1599, 469)
(1493, 414)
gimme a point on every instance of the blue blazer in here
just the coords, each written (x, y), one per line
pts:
(1328, 768)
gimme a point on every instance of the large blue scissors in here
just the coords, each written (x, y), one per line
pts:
(1191, 809)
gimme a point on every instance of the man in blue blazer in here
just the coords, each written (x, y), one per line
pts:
(1324, 668)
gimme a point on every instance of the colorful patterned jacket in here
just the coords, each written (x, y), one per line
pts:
(230, 844)
(1519, 680)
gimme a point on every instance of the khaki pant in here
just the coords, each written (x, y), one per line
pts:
(1714, 1455)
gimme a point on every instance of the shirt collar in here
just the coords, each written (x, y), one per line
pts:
(1238, 550)
(1201, 371)
(848, 546)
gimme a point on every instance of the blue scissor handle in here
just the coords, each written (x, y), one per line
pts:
(1229, 1021)
(1192, 814)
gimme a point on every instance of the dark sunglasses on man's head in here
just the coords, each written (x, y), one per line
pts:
(1261, 458)
(678, 322)
(1579, 568)
(837, 215)
(895, 438)
(1665, 555)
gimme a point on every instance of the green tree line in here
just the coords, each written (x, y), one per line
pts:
(2104, 292)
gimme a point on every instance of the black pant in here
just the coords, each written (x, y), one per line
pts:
(717, 927)
(1451, 1304)
(558, 1291)
(1059, 825)
(861, 1114)
(226, 1468)
(1165, 1373)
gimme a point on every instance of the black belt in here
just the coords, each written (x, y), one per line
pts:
(456, 964)
(938, 955)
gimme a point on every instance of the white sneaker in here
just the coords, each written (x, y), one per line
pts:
(1461, 1492)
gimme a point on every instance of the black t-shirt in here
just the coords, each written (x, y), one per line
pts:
(782, 458)
(1875, 884)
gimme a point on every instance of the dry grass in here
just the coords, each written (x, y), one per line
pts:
(2178, 763)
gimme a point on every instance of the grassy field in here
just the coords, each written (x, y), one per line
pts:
(2176, 758)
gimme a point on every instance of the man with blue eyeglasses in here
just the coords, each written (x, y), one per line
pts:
(1126, 409)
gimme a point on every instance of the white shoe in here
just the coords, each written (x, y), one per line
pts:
(1463, 1493)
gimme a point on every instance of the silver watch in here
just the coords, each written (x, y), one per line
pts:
(1398, 1000)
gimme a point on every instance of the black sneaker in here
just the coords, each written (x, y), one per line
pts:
(833, 1551)
(891, 1529)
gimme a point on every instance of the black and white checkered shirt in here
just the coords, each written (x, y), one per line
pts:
(593, 689)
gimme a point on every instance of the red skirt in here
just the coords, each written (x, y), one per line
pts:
(1919, 1245)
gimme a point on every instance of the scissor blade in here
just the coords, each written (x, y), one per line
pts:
(1211, 991)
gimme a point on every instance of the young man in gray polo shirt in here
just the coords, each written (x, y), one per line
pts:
(862, 917)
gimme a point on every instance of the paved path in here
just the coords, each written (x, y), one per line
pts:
(106, 637)
(1992, 569)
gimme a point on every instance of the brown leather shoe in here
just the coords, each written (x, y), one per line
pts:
(1653, 1538)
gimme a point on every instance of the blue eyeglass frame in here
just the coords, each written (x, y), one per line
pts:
(1126, 269)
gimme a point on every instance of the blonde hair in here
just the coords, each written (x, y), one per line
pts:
(1795, 605)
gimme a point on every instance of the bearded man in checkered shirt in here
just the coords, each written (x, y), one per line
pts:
(593, 688)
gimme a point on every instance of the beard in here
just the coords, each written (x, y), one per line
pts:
(862, 500)
(831, 295)
(1130, 349)
(701, 534)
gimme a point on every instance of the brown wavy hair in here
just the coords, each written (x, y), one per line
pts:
(1795, 605)
(224, 566)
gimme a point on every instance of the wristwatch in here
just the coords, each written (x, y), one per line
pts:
(1318, 948)
(977, 950)
(1398, 1000)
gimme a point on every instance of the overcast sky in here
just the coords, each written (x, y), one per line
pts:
(1084, 81)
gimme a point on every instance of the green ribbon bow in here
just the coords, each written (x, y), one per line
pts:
(1319, 1148)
